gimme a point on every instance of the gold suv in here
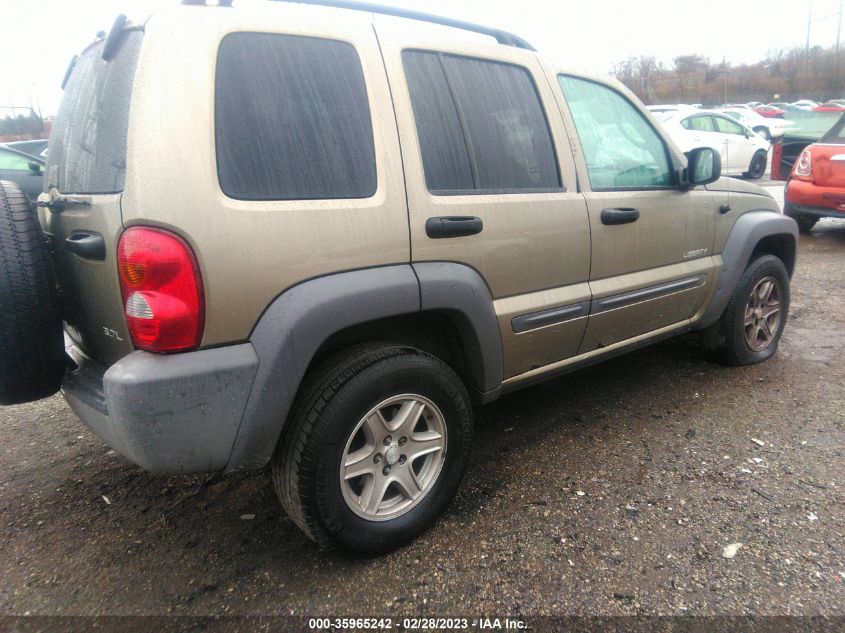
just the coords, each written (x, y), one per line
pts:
(317, 236)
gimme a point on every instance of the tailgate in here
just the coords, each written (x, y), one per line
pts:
(86, 167)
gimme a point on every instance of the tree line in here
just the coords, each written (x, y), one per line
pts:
(785, 74)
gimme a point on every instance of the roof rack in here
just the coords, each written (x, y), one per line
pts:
(503, 37)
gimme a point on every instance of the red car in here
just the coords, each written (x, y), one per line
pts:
(770, 112)
(829, 107)
(816, 186)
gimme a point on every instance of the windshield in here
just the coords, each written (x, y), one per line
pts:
(87, 151)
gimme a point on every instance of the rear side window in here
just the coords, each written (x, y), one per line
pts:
(292, 119)
(481, 126)
(88, 143)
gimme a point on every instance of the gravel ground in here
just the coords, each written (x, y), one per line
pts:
(612, 491)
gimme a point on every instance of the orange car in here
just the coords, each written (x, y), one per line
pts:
(816, 185)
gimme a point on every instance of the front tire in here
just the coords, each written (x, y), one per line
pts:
(375, 448)
(751, 326)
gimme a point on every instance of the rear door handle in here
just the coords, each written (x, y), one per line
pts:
(453, 226)
(619, 216)
(86, 244)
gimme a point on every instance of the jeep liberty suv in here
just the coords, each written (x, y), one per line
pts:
(317, 236)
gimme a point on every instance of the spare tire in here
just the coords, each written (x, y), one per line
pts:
(32, 359)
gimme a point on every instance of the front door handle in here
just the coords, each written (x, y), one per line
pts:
(86, 244)
(619, 216)
(453, 226)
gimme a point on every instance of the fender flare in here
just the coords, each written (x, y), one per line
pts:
(301, 319)
(745, 235)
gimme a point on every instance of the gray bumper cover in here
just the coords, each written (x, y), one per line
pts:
(168, 414)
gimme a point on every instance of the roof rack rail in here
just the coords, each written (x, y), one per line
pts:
(503, 37)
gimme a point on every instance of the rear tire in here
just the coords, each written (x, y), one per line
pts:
(758, 165)
(750, 328)
(31, 341)
(343, 423)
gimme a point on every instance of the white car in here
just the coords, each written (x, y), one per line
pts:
(743, 151)
(767, 128)
(669, 108)
(805, 104)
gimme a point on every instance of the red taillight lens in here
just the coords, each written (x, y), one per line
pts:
(162, 290)
(804, 165)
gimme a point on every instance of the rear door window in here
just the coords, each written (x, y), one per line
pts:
(726, 126)
(702, 124)
(88, 143)
(481, 125)
(292, 119)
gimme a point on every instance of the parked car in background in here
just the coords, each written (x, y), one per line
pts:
(809, 128)
(829, 106)
(780, 105)
(663, 109)
(805, 104)
(816, 185)
(770, 111)
(37, 148)
(754, 104)
(837, 101)
(767, 128)
(24, 170)
(743, 151)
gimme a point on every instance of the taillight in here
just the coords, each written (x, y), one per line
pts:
(804, 165)
(162, 290)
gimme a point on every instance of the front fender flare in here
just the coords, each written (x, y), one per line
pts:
(745, 235)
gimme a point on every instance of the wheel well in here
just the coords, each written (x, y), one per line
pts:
(781, 246)
(439, 333)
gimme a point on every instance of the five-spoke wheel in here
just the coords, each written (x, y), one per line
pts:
(393, 457)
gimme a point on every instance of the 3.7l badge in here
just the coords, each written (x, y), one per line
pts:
(701, 252)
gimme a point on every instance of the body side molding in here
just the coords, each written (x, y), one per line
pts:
(747, 232)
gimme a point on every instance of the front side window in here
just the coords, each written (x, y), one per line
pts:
(621, 149)
(292, 119)
(726, 126)
(481, 125)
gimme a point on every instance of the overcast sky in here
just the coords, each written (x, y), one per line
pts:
(38, 37)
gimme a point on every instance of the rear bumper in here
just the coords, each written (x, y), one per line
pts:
(811, 199)
(169, 414)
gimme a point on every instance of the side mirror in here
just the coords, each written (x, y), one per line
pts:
(704, 165)
(34, 167)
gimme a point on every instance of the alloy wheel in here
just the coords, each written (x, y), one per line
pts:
(763, 314)
(393, 457)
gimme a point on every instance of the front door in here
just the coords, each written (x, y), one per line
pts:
(651, 266)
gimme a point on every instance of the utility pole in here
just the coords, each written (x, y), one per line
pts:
(809, 25)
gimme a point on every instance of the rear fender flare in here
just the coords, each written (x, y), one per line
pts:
(300, 320)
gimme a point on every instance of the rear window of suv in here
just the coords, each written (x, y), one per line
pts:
(88, 143)
(292, 119)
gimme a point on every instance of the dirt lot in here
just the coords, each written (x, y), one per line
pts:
(611, 491)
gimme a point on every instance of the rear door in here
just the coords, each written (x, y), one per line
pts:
(86, 165)
(480, 138)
